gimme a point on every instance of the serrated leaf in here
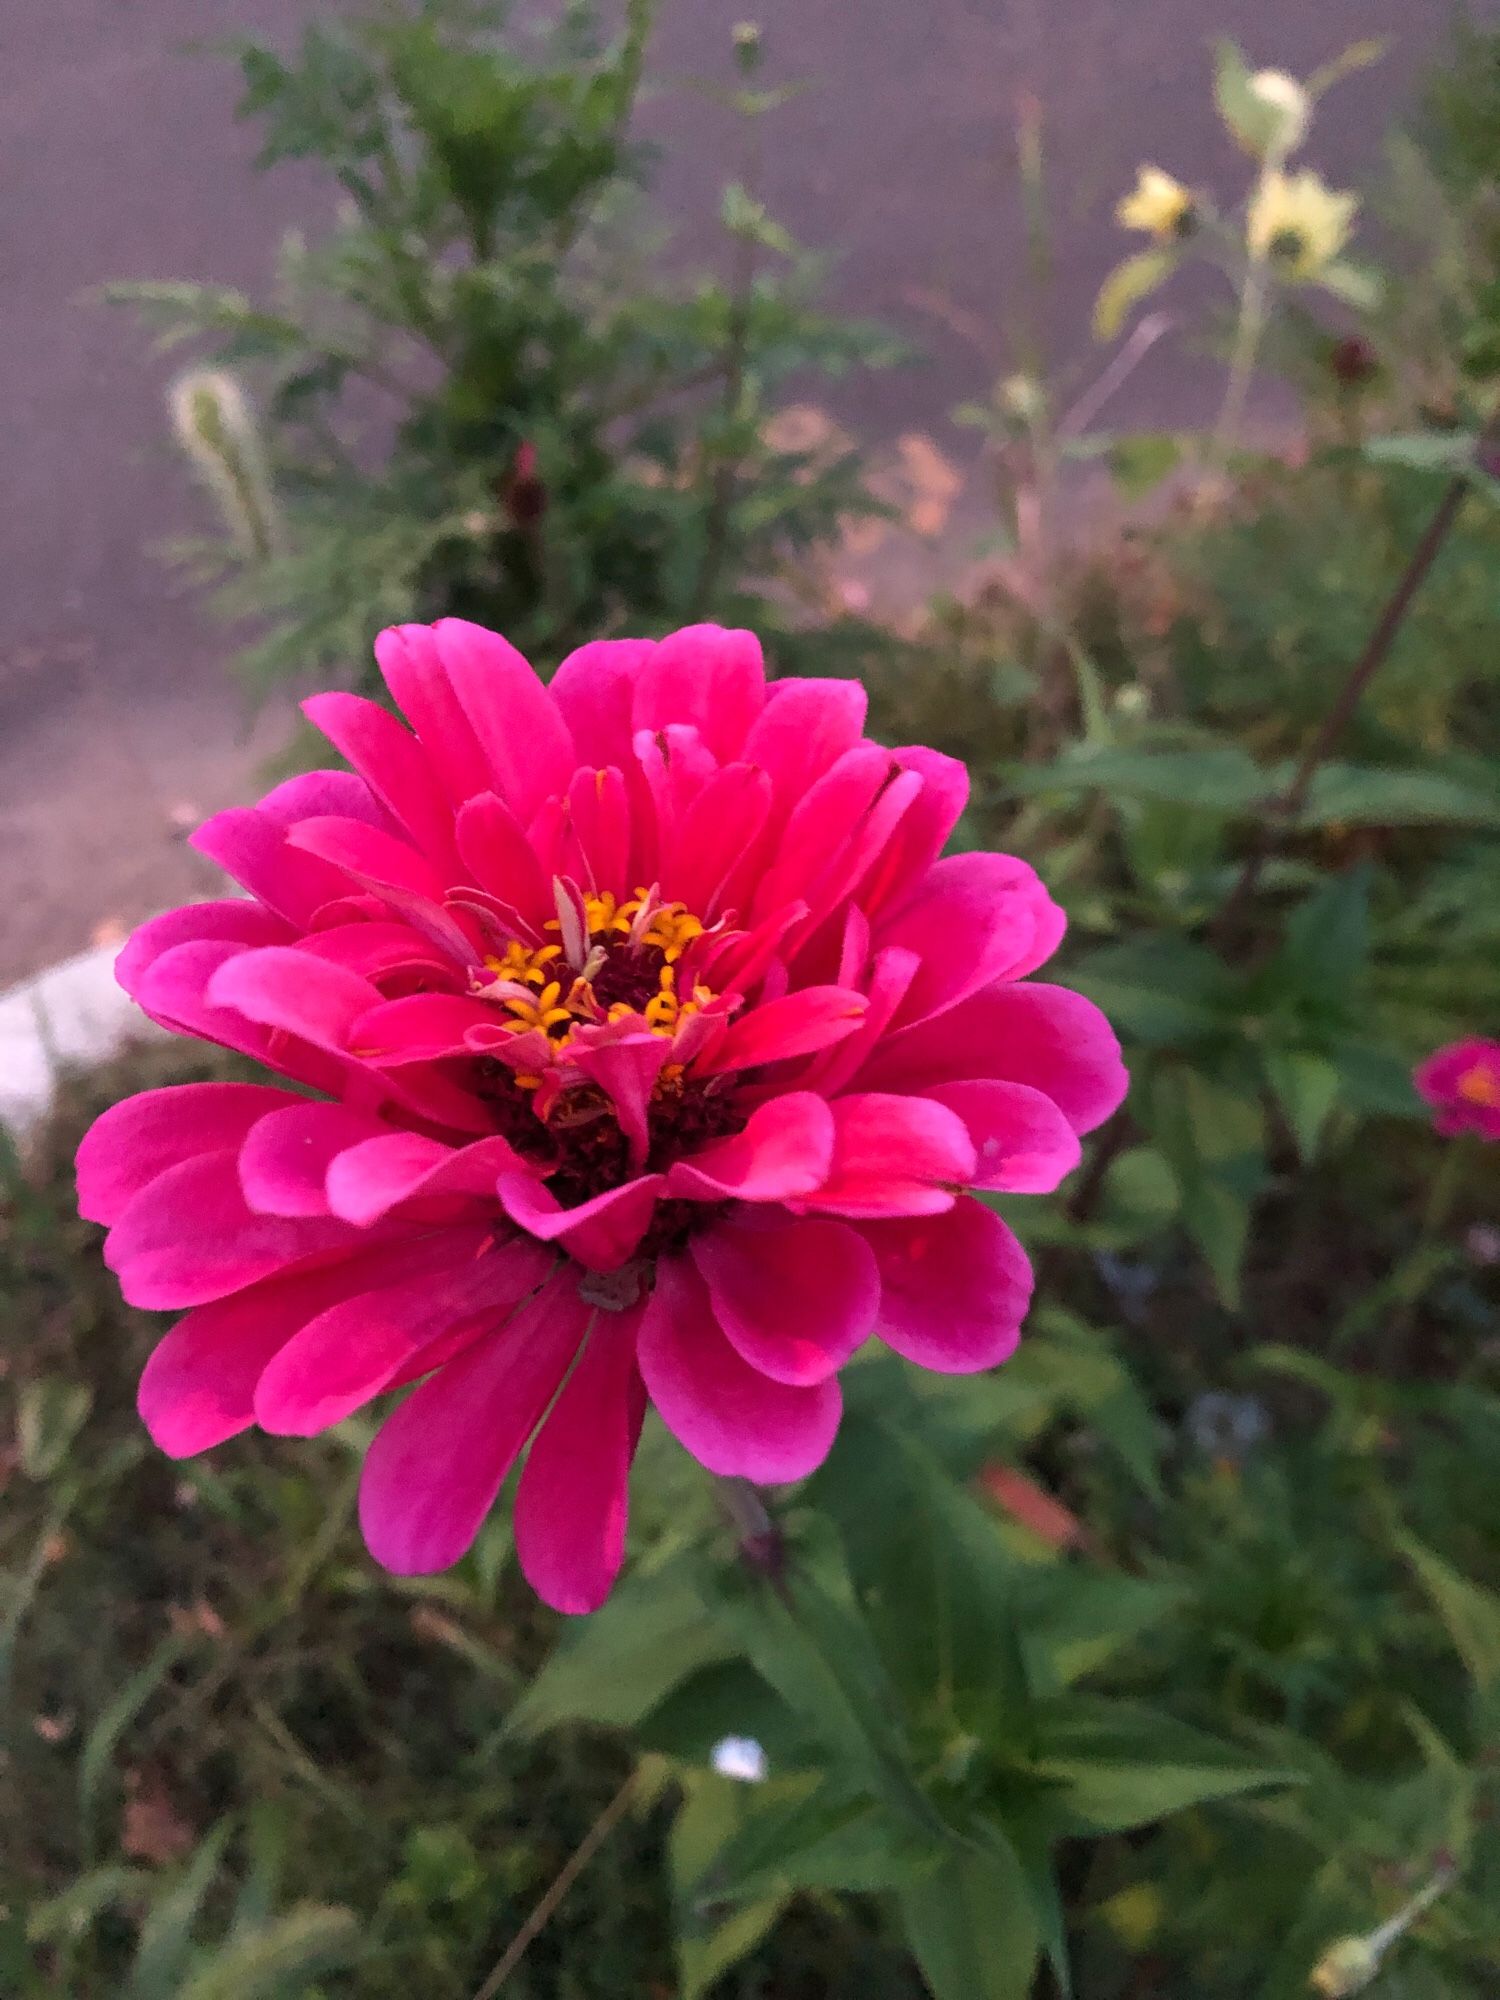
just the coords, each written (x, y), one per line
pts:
(1132, 280)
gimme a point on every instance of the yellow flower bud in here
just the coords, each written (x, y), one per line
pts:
(1288, 108)
(1346, 1967)
(1158, 205)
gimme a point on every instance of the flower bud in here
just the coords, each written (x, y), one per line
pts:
(215, 425)
(1287, 108)
(1346, 1967)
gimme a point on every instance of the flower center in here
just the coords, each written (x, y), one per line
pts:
(612, 962)
(630, 957)
(1480, 1086)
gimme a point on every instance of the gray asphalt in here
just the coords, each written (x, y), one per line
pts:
(118, 157)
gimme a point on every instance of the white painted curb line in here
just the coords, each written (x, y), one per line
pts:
(72, 1016)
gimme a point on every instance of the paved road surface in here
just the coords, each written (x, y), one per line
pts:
(118, 158)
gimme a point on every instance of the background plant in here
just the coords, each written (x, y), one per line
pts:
(480, 393)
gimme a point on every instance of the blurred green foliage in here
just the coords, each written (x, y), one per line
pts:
(483, 392)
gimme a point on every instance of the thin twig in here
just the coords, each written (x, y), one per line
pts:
(1286, 809)
(566, 1876)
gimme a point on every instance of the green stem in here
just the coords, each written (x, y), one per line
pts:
(1247, 337)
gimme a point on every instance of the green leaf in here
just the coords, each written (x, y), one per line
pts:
(1354, 284)
(821, 1841)
(263, 1963)
(1325, 948)
(1161, 990)
(1133, 279)
(1223, 780)
(1470, 1613)
(1140, 460)
(51, 1411)
(116, 1718)
(166, 1937)
(1074, 1619)
(1424, 451)
(935, 1579)
(616, 1666)
(1124, 1765)
(1213, 1137)
(1356, 795)
(710, 1938)
(971, 1925)
(1085, 1370)
(70, 1913)
(725, 1698)
(807, 1637)
(1306, 1087)
(1254, 123)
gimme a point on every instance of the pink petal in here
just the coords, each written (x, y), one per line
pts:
(717, 837)
(594, 689)
(126, 1148)
(501, 859)
(626, 1071)
(250, 846)
(602, 1234)
(805, 727)
(890, 975)
(784, 1151)
(189, 1237)
(337, 1362)
(823, 822)
(323, 795)
(924, 828)
(284, 1160)
(1023, 1142)
(796, 1025)
(599, 825)
(369, 856)
(894, 1156)
(199, 1384)
(419, 1027)
(367, 1181)
(571, 1502)
(282, 987)
(954, 1287)
(414, 672)
(731, 1417)
(795, 1297)
(238, 921)
(973, 919)
(173, 991)
(708, 677)
(528, 746)
(1041, 1035)
(380, 950)
(392, 763)
(439, 1460)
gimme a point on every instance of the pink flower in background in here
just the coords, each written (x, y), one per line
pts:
(1462, 1083)
(654, 1052)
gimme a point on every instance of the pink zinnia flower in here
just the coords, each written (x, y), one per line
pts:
(1462, 1083)
(654, 1050)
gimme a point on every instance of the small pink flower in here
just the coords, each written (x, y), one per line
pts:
(655, 1053)
(1462, 1083)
